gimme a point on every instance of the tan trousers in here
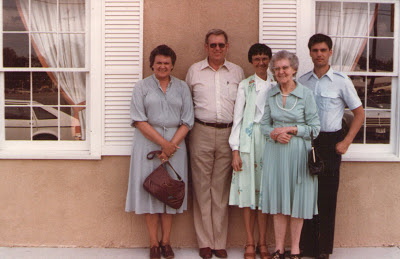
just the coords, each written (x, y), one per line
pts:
(210, 158)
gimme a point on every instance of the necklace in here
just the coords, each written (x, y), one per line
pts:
(282, 108)
(284, 95)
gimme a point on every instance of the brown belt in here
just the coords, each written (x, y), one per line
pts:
(214, 125)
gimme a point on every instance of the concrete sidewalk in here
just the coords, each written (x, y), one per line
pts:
(184, 253)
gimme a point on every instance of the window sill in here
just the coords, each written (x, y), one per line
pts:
(56, 154)
(370, 157)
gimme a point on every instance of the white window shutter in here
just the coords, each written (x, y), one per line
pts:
(122, 53)
(278, 24)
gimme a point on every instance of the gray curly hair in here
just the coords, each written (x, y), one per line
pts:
(283, 54)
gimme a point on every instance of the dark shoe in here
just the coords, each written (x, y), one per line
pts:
(251, 255)
(166, 251)
(296, 256)
(205, 252)
(155, 252)
(323, 256)
(221, 253)
(278, 255)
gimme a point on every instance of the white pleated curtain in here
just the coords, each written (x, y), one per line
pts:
(57, 48)
(356, 21)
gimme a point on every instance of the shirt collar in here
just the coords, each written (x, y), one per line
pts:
(205, 64)
(296, 92)
(328, 74)
(158, 82)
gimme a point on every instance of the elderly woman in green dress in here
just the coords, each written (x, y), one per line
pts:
(247, 144)
(289, 192)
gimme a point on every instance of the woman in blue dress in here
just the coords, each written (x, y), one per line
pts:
(247, 144)
(288, 192)
(162, 112)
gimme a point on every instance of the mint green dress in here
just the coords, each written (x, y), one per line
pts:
(245, 185)
(287, 186)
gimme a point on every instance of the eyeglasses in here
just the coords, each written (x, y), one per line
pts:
(258, 60)
(220, 45)
(277, 69)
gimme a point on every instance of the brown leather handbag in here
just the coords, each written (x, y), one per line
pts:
(162, 186)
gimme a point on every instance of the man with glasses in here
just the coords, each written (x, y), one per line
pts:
(213, 83)
(333, 91)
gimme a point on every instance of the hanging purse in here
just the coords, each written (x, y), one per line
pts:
(315, 163)
(162, 186)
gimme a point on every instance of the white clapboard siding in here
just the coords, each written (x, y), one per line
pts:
(278, 24)
(122, 57)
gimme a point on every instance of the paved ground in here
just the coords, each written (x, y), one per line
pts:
(184, 253)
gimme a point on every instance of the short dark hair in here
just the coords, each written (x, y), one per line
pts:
(318, 38)
(162, 50)
(216, 32)
(259, 49)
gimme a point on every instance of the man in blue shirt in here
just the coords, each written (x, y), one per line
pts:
(333, 91)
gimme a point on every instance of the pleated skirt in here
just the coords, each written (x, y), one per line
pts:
(286, 185)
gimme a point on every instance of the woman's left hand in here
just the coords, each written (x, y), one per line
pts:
(284, 138)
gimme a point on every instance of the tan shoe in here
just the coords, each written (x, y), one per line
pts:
(263, 254)
(249, 255)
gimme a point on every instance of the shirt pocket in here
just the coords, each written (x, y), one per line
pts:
(229, 91)
(329, 100)
(232, 91)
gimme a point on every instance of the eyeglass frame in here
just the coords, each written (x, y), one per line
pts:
(214, 45)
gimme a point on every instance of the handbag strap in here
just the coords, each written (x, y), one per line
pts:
(152, 154)
(312, 140)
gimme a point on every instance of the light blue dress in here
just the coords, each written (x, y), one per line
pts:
(165, 112)
(287, 186)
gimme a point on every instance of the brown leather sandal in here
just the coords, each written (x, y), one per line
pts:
(249, 255)
(263, 255)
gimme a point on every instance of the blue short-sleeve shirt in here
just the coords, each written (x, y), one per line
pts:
(333, 92)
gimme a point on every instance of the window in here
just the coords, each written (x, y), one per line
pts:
(44, 64)
(44, 71)
(365, 47)
(66, 76)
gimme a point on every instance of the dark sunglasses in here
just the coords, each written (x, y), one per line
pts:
(220, 45)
